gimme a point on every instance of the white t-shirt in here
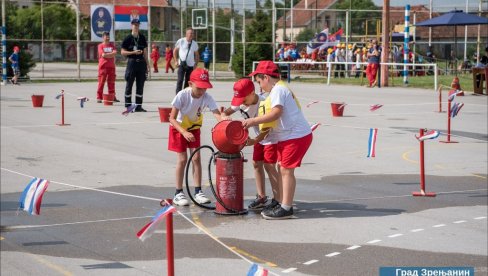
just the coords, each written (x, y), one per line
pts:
(182, 45)
(251, 111)
(192, 107)
(292, 123)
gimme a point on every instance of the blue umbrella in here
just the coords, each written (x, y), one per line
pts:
(454, 18)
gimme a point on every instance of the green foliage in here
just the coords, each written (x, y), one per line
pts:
(59, 22)
(359, 18)
(259, 31)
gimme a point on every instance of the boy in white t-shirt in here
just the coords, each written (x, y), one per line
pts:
(292, 129)
(265, 155)
(184, 132)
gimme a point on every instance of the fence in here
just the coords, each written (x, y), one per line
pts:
(50, 33)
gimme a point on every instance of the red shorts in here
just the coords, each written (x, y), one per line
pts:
(266, 153)
(178, 143)
(291, 152)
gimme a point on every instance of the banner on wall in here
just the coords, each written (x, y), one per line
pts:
(125, 14)
(101, 21)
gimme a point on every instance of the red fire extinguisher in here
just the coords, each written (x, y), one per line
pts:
(230, 138)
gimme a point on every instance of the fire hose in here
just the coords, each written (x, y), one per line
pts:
(217, 197)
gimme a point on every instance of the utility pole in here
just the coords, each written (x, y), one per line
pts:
(385, 53)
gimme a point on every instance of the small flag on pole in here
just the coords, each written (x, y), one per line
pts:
(372, 142)
(82, 101)
(31, 198)
(375, 107)
(453, 93)
(149, 228)
(315, 126)
(58, 96)
(257, 270)
(456, 107)
(431, 134)
(129, 109)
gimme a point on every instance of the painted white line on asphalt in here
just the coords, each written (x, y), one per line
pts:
(439, 225)
(417, 230)
(353, 247)
(395, 235)
(480, 218)
(459, 221)
(288, 270)
(310, 262)
(373, 241)
(333, 254)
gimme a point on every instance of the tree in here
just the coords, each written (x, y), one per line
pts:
(260, 32)
(358, 18)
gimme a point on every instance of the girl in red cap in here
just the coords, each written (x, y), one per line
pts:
(185, 119)
(264, 155)
(292, 129)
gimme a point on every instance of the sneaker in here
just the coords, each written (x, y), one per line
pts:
(140, 109)
(201, 198)
(258, 203)
(279, 213)
(99, 101)
(180, 200)
(270, 206)
(116, 100)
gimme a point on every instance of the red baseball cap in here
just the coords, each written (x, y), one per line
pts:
(16, 48)
(242, 88)
(267, 67)
(200, 78)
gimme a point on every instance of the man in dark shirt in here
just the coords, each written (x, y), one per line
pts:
(134, 47)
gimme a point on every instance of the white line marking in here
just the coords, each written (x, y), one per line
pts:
(353, 247)
(373, 241)
(288, 270)
(459, 221)
(395, 235)
(480, 218)
(310, 262)
(216, 239)
(417, 230)
(333, 254)
(439, 225)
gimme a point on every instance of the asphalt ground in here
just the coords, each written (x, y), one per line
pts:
(353, 214)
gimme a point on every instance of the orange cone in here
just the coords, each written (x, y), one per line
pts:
(455, 85)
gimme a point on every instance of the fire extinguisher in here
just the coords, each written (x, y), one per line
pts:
(230, 138)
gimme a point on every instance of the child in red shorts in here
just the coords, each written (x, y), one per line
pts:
(265, 155)
(184, 132)
(292, 129)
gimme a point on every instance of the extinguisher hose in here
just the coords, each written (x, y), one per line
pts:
(187, 169)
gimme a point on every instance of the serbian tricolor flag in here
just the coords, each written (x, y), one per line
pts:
(375, 107)
(315, 126)
(456, 107)
(372, 142)
(125, 14)
(431, 134)
(257, 270)
(149, 228)
(31, 198)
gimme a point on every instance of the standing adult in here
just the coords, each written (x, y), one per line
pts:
(134, 47)
(186, 57)
(373, 55)
(106, 67)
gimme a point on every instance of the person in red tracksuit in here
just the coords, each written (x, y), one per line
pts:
(169, 57)
(155, 57)
(106, 66)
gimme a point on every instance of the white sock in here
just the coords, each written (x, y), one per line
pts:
(286, 207)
